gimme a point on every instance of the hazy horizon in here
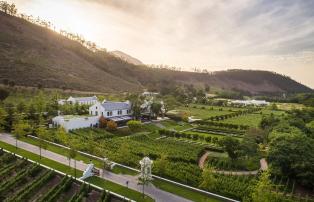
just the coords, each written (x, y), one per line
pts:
(216, 35)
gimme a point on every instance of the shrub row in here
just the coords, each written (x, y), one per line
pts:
(84, 189)
(221, 125)
(49, 196)
(195, 137)
(20, 176)
(28, 191)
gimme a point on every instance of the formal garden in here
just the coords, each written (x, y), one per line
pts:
(229, 139)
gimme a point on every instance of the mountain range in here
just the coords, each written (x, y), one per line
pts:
(31, 55)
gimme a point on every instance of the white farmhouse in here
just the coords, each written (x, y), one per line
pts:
(120, 112)
(116, 111)
(82, 100)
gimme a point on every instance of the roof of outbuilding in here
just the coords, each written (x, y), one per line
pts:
(115, 105)
(85, 99)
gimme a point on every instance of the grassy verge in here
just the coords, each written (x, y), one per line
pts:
(124, 171)
(183, 192)
(45, 161)
(134, 195)
(137, 196)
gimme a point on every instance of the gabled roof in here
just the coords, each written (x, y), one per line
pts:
(109, 106)
(84, 99)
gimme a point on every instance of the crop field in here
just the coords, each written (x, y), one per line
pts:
(252, 120)
(21, 180)
(202, 112)
(178, 126)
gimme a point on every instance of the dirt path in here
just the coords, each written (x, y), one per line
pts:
(202, 160)
(263, 163)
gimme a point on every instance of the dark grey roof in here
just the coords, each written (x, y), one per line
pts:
(109, 106)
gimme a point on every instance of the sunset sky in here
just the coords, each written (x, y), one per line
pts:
(276, 35)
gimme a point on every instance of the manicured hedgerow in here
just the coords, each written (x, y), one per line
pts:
(18, 178)
(83, 191)
(50, 196)
(28, 191)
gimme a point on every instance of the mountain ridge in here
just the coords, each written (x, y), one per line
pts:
(31, 55)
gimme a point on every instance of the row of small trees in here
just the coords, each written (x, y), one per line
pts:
(12, 10)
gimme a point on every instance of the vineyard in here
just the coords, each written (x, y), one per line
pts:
(21, 180)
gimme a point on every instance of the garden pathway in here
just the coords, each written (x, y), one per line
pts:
(152, 191)
(263, 163)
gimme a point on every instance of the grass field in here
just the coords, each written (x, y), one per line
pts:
(252, 120)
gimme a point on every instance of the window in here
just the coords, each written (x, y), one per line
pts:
(108, 114)
(102, 113)
(96, 113)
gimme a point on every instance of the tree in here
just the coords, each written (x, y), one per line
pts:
(263, 189)
(20, 128)
(62, 136)
(292, 154)
(231, 146)
(102, 122)
(4, 94)
(21, 107)
(156, 108)
(3, 115)
(73, 152)
(134, 125)
(42, 134)
(208, 179)
(111, 125)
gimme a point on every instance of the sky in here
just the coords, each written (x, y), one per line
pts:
(275, 35)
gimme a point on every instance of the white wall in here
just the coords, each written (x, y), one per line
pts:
(76, 122)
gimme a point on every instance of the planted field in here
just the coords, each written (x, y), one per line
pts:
(202, 112)
(173, 125)
(22, 180)
(251, 120)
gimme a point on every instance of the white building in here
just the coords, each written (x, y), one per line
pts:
(82, 100)
(71, 122)
(119, 112)
(149, 94)
(116, 111)
(250, 102)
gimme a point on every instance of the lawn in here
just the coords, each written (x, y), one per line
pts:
(184, 192)
(266, 111)
(252, 120)
(134, 195)
(124, 171)
(212, 135)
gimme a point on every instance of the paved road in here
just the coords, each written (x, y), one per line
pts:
(152, 191)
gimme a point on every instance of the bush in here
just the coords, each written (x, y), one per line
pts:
(102, 122)
(111, 125)
(134, 125)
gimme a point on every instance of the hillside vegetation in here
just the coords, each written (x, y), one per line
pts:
(31, 55)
